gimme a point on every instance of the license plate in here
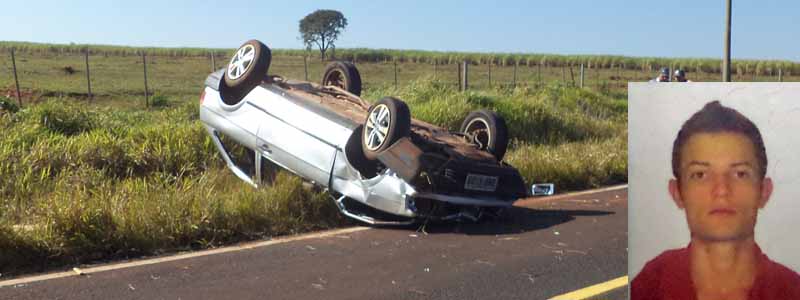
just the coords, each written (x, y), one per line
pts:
(477, 182)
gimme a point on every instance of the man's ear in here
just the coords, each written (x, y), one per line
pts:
(766, 191)
(675, 192)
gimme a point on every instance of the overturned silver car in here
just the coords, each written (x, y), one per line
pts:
(380, 165)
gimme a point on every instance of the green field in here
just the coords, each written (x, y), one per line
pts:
(84, 180)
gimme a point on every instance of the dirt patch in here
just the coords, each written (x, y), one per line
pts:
(26, 95)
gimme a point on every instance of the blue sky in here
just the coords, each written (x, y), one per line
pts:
(682, 28)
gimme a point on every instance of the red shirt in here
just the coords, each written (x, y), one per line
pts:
(668, 276)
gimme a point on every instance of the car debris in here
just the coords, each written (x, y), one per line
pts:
(542, 189)
(379, 165)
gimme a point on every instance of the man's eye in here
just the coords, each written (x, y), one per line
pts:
(697, 175)
(742, 174)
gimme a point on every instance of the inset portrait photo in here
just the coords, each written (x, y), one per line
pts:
(714, 190)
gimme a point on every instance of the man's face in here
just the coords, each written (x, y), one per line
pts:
(720, 186)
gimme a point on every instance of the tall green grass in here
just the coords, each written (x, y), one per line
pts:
(79, 184)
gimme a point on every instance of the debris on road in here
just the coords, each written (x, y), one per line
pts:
(478, 261)
(309, 247)
(417, 291)
(78, 271)
(320, 285)
(530, 277)
(130, 286)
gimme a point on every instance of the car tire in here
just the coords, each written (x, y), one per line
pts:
(247, 68)
(390, 116)
(343, 74)
(355, 155)
(488, 131)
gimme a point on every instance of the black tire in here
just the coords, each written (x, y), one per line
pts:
(355, 155)
(391, 114)
(241, 78)
(488, 130)
(343, 74)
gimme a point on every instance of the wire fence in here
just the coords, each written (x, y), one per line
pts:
(96, 75)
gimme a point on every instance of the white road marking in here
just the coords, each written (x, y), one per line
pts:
(527, 201)
(144, 262)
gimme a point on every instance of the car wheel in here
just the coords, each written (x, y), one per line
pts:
(355, 155)
(488, 131)
(246, 70)
(388, 120)
(343, 74)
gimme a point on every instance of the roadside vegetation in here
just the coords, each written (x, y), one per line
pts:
(79, 184)
(85, 180)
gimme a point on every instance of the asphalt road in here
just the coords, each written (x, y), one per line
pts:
(542, 248)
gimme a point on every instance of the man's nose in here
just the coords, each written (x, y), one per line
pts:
(721, 185)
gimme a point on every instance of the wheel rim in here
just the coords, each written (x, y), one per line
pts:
(377, 127)
(336, 78)
(478, 129)
(241, 61)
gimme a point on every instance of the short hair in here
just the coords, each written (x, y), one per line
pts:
(716, 118)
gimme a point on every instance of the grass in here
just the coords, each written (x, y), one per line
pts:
(80, 184)
(86, 179)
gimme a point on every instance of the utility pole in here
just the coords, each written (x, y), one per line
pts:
(726, 63)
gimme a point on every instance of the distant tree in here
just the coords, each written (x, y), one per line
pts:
(321, 29)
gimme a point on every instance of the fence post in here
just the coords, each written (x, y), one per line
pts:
(515, 74)
(581, 82)
(435, 63)
(780, 75)
(490, 74)
(539, 66)
(88, 79)
(464, 76)
(571, 76)
(213, 62)
(458, 78)
(395, 72)
(144, 63)
(305, 67)
(16, 80)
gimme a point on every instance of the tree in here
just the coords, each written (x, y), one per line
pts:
(321, 29)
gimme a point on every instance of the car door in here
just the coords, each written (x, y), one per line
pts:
(294, 139)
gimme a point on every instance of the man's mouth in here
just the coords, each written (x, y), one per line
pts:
(722, 211)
